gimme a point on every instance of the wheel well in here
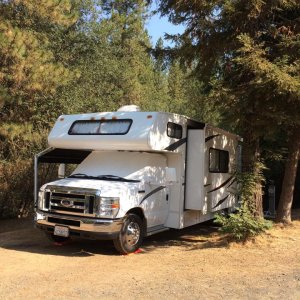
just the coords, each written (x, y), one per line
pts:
(139, 212)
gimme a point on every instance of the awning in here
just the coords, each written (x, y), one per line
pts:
(67, 156)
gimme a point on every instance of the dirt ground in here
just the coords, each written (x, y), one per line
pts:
(194, 263)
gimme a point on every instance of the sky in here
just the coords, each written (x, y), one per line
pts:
(157, 26)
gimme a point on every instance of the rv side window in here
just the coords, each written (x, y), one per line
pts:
(174, 130)
(100, 127)
(218, 161)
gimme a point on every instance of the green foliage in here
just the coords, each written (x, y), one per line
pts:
(18, 145)
(20, 141)
(248, 53)
(242, 224)
(30, 73)
(111, 54)
(251, 49)
(64, 57)
(29, 67)
(245, 223)
(16, 186)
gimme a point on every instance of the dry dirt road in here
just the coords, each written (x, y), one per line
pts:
(191, 264)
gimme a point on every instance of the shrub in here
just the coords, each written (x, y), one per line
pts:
(18, 144)
(242, 224)
(245, 223)
(16, 188)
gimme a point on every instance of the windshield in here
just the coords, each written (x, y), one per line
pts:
(122, 165)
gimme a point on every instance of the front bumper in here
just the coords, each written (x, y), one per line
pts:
(88, 228)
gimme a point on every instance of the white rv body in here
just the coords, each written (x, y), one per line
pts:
(143, 148)
(147, 132)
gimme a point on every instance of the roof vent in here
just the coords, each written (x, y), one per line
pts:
(129, 108)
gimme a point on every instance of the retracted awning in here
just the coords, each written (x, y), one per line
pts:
(67, 156)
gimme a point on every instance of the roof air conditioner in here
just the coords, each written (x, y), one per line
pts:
(129, 108)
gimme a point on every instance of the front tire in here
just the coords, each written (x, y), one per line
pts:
(131, 235)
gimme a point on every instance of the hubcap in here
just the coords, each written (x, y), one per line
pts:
(132, 233)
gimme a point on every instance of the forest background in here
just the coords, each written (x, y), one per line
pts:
(235, 66)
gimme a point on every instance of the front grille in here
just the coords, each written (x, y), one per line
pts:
(64, 221)
(68, 195)
(71, 201)
(71, 209)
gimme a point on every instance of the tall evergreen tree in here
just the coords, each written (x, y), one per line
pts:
(176, 80)
(130, 41)
(252, 50)
(30, 73)
(160, 96)
(29, 68)
(115, 67)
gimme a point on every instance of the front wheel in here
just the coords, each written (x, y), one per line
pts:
(131, 235)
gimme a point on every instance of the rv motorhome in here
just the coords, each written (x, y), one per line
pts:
(137, 173)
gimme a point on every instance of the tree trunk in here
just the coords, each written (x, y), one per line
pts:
(250, 159)
(288, 185)
(258, 200)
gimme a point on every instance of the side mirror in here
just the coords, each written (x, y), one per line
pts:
(171, 176)
(61, 171)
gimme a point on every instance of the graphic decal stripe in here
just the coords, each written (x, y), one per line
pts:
(221, 185)
(220, 202)
(210, 137)
(233, 181)
(152, 192)
(175, 145)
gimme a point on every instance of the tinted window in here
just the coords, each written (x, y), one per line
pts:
(174, 130)
(100, 127)
(218, 161)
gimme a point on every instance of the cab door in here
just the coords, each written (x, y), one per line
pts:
(155, 204)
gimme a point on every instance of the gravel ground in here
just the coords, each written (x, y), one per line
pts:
(194, 263)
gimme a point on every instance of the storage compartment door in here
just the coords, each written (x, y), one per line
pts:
(194, 183)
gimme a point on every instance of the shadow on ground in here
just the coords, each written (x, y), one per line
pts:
(199, 236)
(20, 235)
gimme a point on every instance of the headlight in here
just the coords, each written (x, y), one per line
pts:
(107, 207)
(43, 200)
(40, 200)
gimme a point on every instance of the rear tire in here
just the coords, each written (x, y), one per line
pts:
(131, 235)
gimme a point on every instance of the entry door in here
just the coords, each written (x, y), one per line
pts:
(194, 183)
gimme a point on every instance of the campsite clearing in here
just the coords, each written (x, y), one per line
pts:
(192, 263)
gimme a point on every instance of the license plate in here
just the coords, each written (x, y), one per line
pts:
(61, 231)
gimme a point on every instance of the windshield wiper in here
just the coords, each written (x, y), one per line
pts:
(102, 177)
(116, 178)
(81, 175)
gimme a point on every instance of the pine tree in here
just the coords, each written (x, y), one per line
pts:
(160, 98)
(286, 197)
(29, 68)
(130, 41)
(176, 80)
(31, 71)
(115, 67)
(251, 50)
